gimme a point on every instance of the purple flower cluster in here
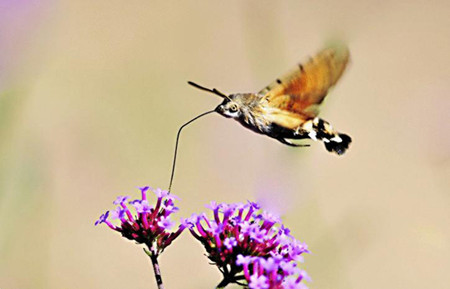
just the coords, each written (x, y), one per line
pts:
(242, 238)
(149, 225)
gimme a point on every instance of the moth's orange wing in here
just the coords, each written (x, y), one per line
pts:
(303, 89)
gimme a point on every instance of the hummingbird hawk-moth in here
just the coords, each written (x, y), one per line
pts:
(287, 109)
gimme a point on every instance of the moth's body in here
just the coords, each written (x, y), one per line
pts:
(257, 115)
(287, 109)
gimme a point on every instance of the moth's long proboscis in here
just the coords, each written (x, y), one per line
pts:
(176, 145)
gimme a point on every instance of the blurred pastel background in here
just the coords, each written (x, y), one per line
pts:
(93, 92)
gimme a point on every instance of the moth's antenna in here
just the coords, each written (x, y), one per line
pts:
(176, 145)
(215, 91)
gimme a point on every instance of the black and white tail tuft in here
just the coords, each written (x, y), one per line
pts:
(339, 143)
(319, 129)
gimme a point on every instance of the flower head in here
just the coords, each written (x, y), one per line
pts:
(247, 243)
(147, 225)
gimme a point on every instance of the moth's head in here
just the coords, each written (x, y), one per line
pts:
(229, 107)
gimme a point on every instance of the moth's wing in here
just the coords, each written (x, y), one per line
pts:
(284, 118)
(302, 90)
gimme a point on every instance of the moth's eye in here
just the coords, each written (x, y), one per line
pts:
(233, 108)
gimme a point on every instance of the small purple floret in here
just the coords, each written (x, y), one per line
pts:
(118, 213)
(165, 223)
(102, 218)
(120, 200)
(161, 193)
(141, 206)
(230, 243)
(269, 264)
(212, 206)
(241, 260)
(258, 282)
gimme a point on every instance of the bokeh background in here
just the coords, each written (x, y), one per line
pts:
(93, 92)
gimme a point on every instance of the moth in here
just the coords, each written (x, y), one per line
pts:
(288, 108)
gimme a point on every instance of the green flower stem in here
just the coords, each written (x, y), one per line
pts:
(156, 270)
